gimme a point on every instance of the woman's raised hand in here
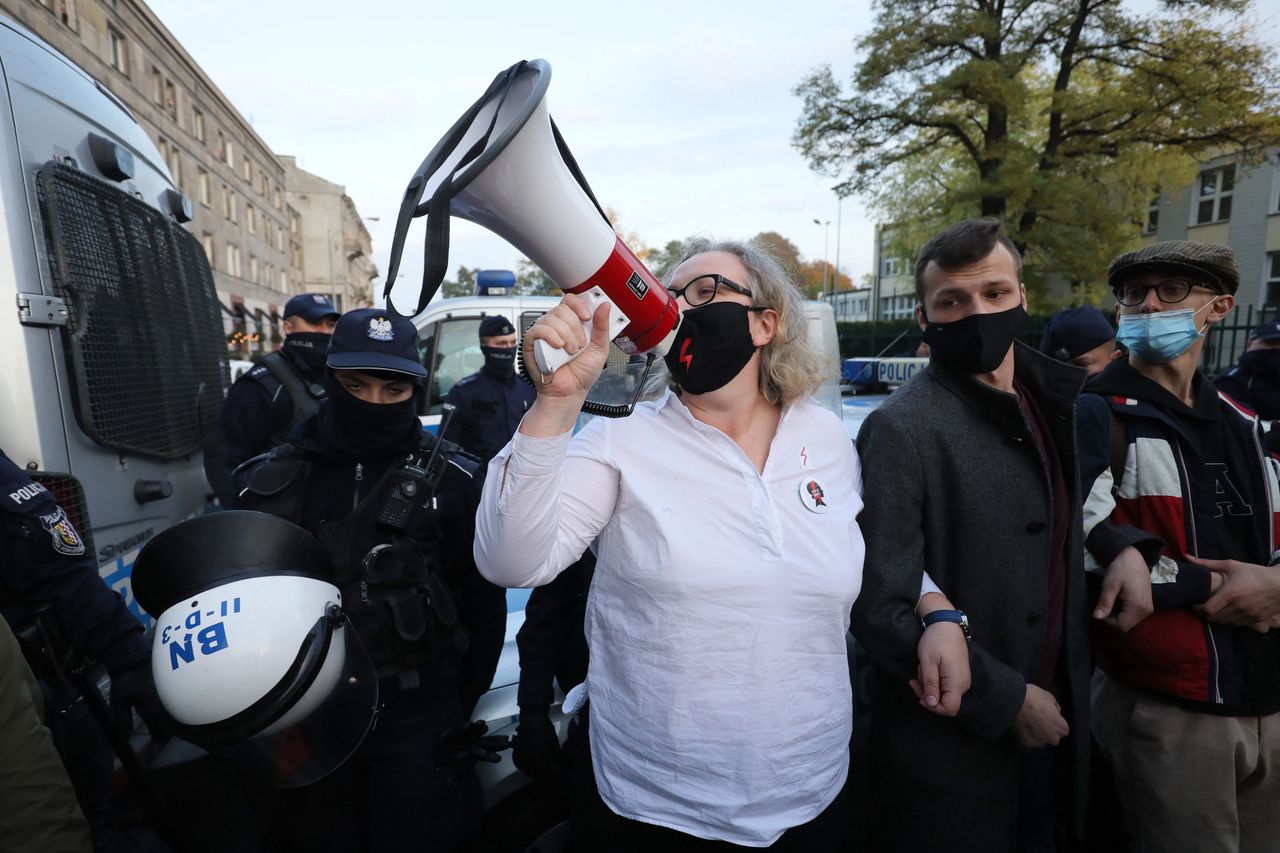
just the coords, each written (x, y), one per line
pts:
(562, 328)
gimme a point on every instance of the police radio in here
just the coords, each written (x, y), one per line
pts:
(405, 485)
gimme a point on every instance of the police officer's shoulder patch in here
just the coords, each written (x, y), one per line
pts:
(65, 538)
(18, 492)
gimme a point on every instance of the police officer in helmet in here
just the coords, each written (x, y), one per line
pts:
(265, 403)
(490, 402)
(395, 511)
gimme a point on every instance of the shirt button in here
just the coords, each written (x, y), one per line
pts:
(1036, 527)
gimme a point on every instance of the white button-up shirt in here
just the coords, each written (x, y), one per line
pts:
(718, 679)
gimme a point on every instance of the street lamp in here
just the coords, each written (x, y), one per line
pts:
(835, 284)
(826, 243)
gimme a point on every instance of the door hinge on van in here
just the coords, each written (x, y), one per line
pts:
(36, 309)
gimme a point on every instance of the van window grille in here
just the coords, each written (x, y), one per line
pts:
(144, 342)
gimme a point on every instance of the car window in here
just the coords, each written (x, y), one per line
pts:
(453, 347)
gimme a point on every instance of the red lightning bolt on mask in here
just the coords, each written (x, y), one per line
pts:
(686, 357)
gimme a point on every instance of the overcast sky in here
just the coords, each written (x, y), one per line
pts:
(680, 114)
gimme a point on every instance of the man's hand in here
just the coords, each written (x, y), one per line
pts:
(536, 747)
(1128, 580)
(943, 673)
(1040, 722)
(1248, 597)
(135, 688)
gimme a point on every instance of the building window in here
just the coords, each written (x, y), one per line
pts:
(1272, 288)
(248, 171)
(231, 153)
(207, 242)
(284, 281)
(175, 167)
(228, 204)
(233, 260)
(170, 99)
(890, 267)
(67, 12)
(202, 184)
(279, 239)
(251, 217)
(253, 268)
(119, 51)
(197, 124)
(277, 198)
(1216, 186)
(1153, 215)
(157, 86)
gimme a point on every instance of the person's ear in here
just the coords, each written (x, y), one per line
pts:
(1221, 308)
(764, 327)
(920, 318)
(1022, 292)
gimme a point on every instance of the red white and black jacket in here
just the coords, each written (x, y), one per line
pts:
(1160, 477)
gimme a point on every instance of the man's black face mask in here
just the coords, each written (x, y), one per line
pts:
(977, 343)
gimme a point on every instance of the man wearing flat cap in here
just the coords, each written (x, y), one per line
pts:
(491, 401)
(1255, 379)
(1081, 336)
(1180, 525)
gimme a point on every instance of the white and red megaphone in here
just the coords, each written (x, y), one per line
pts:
(504, 165)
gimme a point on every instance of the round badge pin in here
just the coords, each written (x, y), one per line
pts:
(813, 496)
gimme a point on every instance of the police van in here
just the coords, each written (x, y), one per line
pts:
(114, 358)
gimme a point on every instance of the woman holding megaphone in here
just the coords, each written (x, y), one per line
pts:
(728, 557)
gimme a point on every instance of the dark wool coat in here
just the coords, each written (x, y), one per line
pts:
(953, 483)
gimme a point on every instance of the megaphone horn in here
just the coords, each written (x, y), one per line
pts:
(505, 166)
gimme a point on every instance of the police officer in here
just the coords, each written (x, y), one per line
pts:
(53, 598)
(39, 806)
(395, 512)
(1255, 379)
(1081, 336)
(265, 403)
(490, 402)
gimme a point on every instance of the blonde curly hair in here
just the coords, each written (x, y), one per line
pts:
(791, 365)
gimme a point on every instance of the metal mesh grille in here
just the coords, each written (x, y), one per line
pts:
(617, 357)
(144, 343)
(69, 494)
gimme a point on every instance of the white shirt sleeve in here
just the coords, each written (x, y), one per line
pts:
(531, 525)
(927, 586)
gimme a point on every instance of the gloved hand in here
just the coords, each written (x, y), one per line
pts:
(465, 746)
(536, 747)
(136, 688)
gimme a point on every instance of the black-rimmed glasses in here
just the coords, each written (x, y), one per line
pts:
(702, 289)
(1170, 291)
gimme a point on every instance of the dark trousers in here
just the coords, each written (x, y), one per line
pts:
(598, 830)
(394, 795)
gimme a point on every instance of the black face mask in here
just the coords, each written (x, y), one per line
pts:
(500, 361)
(361, 430)
(309, 348)
(712, 345)
(977, 343)
(1265, 362)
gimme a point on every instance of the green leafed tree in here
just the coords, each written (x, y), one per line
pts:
(532, 281)
(464, 284)
(1060, 117)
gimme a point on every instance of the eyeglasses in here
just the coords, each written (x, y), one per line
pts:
(703, 289)
(1170, 291)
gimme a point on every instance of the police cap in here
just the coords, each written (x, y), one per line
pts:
(312, 307)
(373, 339)
(496, 326)
(1074, 331)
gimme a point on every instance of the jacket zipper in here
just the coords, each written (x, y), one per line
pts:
(1195, 550)
(355, 490)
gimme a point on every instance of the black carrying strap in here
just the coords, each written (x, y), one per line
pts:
(305, 396)
(1118, 450)
(436, 257)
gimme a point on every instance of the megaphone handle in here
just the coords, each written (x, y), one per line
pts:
(550, 358)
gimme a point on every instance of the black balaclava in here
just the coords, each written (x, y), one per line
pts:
(499, 362)
(308, 348)
(361, 430)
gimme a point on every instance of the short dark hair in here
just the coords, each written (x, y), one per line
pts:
(962, 244)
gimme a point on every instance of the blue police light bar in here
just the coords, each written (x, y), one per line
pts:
(495, 282)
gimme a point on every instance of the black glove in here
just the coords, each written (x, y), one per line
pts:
(465, 746)
(536, 747)
(135, 688)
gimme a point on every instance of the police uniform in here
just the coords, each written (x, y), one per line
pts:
(267, 401)
(490, 402)
(48, 573)
(396, 516)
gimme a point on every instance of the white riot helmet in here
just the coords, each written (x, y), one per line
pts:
(252, 654)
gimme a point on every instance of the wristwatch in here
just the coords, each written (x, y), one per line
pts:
(956, 616)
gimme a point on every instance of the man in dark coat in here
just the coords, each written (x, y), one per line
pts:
(491, 401)
(1254, 381)
(969, 472)
(282, 389)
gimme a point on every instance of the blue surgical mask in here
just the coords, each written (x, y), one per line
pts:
(1160, 336)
